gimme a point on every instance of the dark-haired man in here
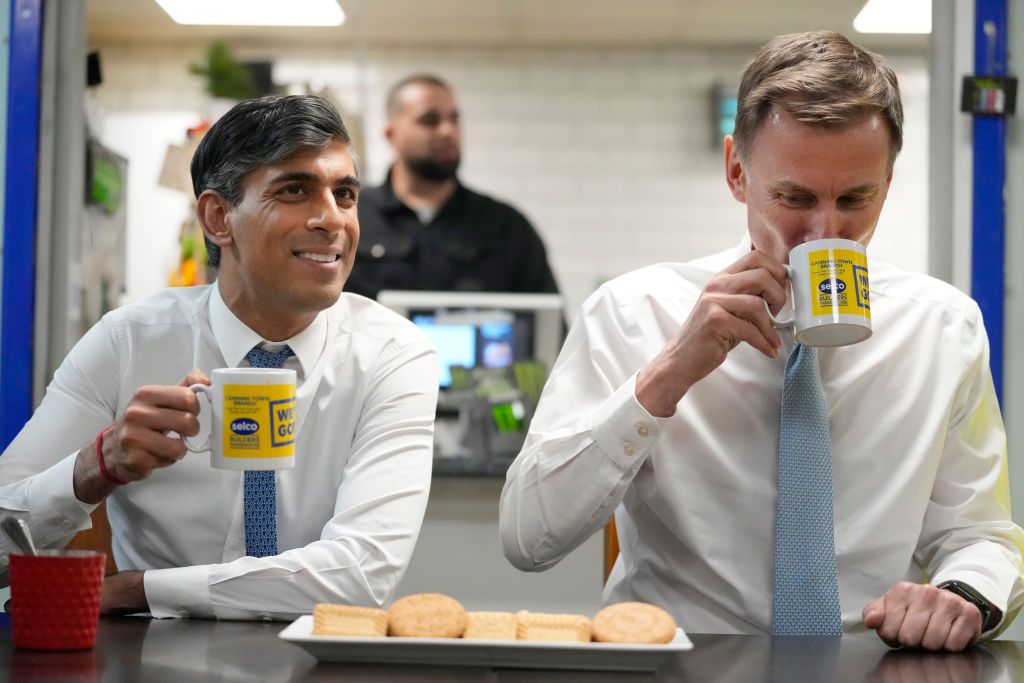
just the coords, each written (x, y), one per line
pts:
(423, 229)
(677, 406)
(276, 188)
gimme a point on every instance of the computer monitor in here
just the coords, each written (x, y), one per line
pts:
(483, 328)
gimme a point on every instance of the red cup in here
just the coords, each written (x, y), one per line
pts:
(55, 599)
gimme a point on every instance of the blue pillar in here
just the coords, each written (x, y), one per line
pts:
(988, 246)
(19, 251)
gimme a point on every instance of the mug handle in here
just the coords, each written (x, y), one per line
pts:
(791, 322)
(204, 390)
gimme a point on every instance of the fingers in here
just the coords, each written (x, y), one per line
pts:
(874, 613)
(936, 635)
(160, 419)
(911, 630)
(194, 377)
(743, 318)
(965, 630)
(923, 616)
(759, 260)
(176, 398)
(140, 443)
(759, 282)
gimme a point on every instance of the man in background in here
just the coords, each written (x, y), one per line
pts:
(422, 229)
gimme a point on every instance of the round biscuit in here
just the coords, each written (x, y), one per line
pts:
(426, 615)
(633, 622)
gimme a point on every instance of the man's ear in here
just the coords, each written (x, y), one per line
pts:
(212, 211)
(735, 176)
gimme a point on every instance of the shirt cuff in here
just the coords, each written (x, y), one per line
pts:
(623, 429)
(179, 592)
(53, 491)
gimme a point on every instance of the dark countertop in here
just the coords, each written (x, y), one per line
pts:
(136, 649)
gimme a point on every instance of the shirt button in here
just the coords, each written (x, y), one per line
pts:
(643, 430)
(377, 250)
(3, 560)
(628, 448)
(67, 524)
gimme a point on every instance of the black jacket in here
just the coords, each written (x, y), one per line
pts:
(474, 243)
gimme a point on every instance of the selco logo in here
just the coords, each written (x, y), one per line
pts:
(244, 425)
(826, 286)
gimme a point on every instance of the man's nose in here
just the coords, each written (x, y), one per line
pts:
(827, 224)
(326, 214)
(448, 128)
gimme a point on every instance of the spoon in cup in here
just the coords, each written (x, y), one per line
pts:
(17, 530)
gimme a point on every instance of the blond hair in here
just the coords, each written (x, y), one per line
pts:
(819, 78)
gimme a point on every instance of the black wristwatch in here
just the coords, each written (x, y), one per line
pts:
(990, 614)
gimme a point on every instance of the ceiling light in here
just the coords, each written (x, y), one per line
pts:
(895, 16)
(255, 12)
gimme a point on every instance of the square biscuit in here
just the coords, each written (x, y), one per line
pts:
(490, 626)
(572, 628)
(345, 620)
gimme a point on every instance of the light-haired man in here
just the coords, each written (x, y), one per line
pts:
(664, 406)
(276, 189)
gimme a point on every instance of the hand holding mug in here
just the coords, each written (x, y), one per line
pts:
(731, 310)
(142, 441)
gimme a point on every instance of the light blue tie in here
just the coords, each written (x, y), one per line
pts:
(259, 500)
(805, 595)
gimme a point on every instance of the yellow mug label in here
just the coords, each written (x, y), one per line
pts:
(839, 282)
(259, 421)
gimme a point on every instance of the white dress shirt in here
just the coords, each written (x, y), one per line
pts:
(918, 446)
(348, 513)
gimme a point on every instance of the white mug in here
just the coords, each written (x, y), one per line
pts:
(254, 422)
(831, 294)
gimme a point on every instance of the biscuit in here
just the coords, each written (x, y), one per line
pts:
(344, 620)
(490, 626)
(573, 628)
(426, 615)
(633, 622)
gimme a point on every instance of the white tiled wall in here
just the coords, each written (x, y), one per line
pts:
(608, 152)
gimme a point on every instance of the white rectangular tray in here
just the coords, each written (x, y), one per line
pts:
(519, 654)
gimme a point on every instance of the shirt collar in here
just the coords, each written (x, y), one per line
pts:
(236, 339)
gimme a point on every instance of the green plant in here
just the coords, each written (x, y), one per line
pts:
(225, 77)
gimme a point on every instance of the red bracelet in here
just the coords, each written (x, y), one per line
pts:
(99, 455)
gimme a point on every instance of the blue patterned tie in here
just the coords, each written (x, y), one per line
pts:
(259, 502)
(805, 595)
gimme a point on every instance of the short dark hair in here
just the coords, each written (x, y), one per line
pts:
(819, 78)
(415, 79)
(256, 133)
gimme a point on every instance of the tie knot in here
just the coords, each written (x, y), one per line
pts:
(261, 358)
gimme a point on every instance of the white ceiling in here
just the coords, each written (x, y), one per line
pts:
(512, 23)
